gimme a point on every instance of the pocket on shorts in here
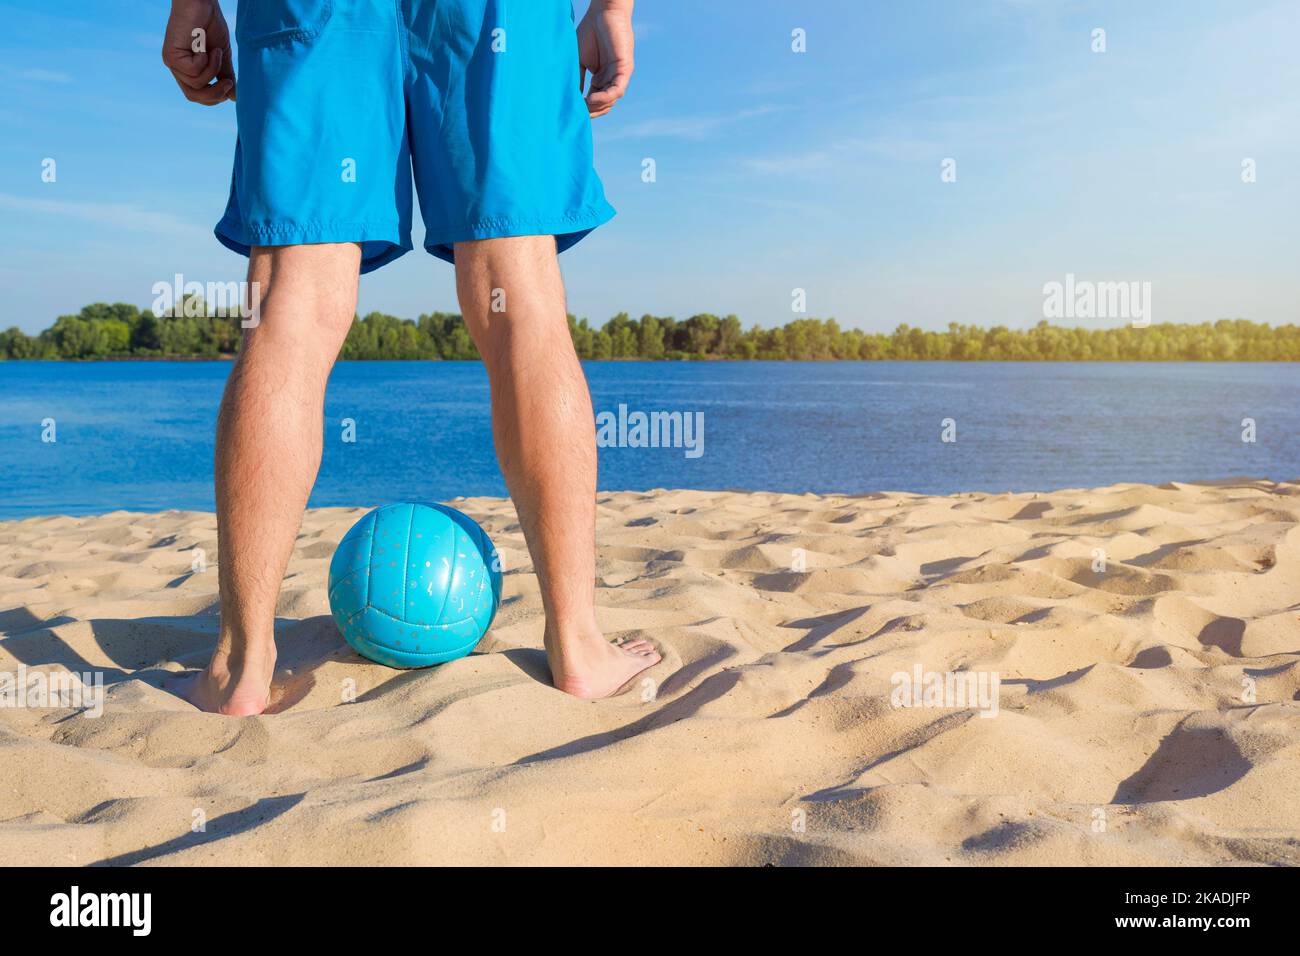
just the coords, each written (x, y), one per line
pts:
(262, 23)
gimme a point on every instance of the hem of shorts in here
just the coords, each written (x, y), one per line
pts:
(568, 230)
(240, 238)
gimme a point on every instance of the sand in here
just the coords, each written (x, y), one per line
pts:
(1147, 707)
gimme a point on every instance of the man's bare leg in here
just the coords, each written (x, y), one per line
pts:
(268, 454)
(545, 436)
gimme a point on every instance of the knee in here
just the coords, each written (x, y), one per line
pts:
(478, 260)
(303, 300)
(513, 277)
(497, 341)
(509, 341)
(512, 298)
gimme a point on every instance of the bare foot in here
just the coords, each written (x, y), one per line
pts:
(593, 667)
(240, 689)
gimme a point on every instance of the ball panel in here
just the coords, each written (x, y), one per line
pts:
(387, 640)
(462, 596)
(388, 558)
(350, 592)
(350, 557)
(430, 566)
(349, 577)
(478, 587)
(349, 625)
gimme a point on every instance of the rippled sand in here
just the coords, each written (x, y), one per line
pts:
(1147, 705)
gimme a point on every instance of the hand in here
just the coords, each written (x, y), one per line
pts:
(605, 49)
(206, 75)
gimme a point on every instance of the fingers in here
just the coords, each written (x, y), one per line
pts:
(196, 70)
(195, 74)
(607, 88)
(209, 95)
(227, 66)
(227, 72)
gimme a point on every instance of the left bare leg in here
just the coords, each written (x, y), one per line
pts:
(545, 436)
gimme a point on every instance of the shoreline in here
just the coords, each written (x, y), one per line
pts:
(1226, 482)
(230, 356)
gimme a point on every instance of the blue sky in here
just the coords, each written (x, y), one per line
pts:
(776, 170)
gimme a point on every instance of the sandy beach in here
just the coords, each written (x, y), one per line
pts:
(1143, 643)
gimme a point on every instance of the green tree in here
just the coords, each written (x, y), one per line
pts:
(145, 335)
(625, 342)
(729, 336)
(17, 344)
(582, 335)
(702, 332)
(650, 338)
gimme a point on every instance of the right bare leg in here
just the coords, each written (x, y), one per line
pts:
(268, 453)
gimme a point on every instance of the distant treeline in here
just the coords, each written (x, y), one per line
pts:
(103, 331)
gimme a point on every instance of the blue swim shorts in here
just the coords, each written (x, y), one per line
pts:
(338, 101)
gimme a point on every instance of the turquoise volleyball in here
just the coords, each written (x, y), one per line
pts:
(412, 585)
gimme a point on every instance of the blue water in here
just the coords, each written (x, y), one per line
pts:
(139, 435)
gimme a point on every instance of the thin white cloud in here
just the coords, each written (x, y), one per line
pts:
(642, 29)
(45, 76)
(808, 162)
(851, 151)
(121, 215)
(686, 127)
